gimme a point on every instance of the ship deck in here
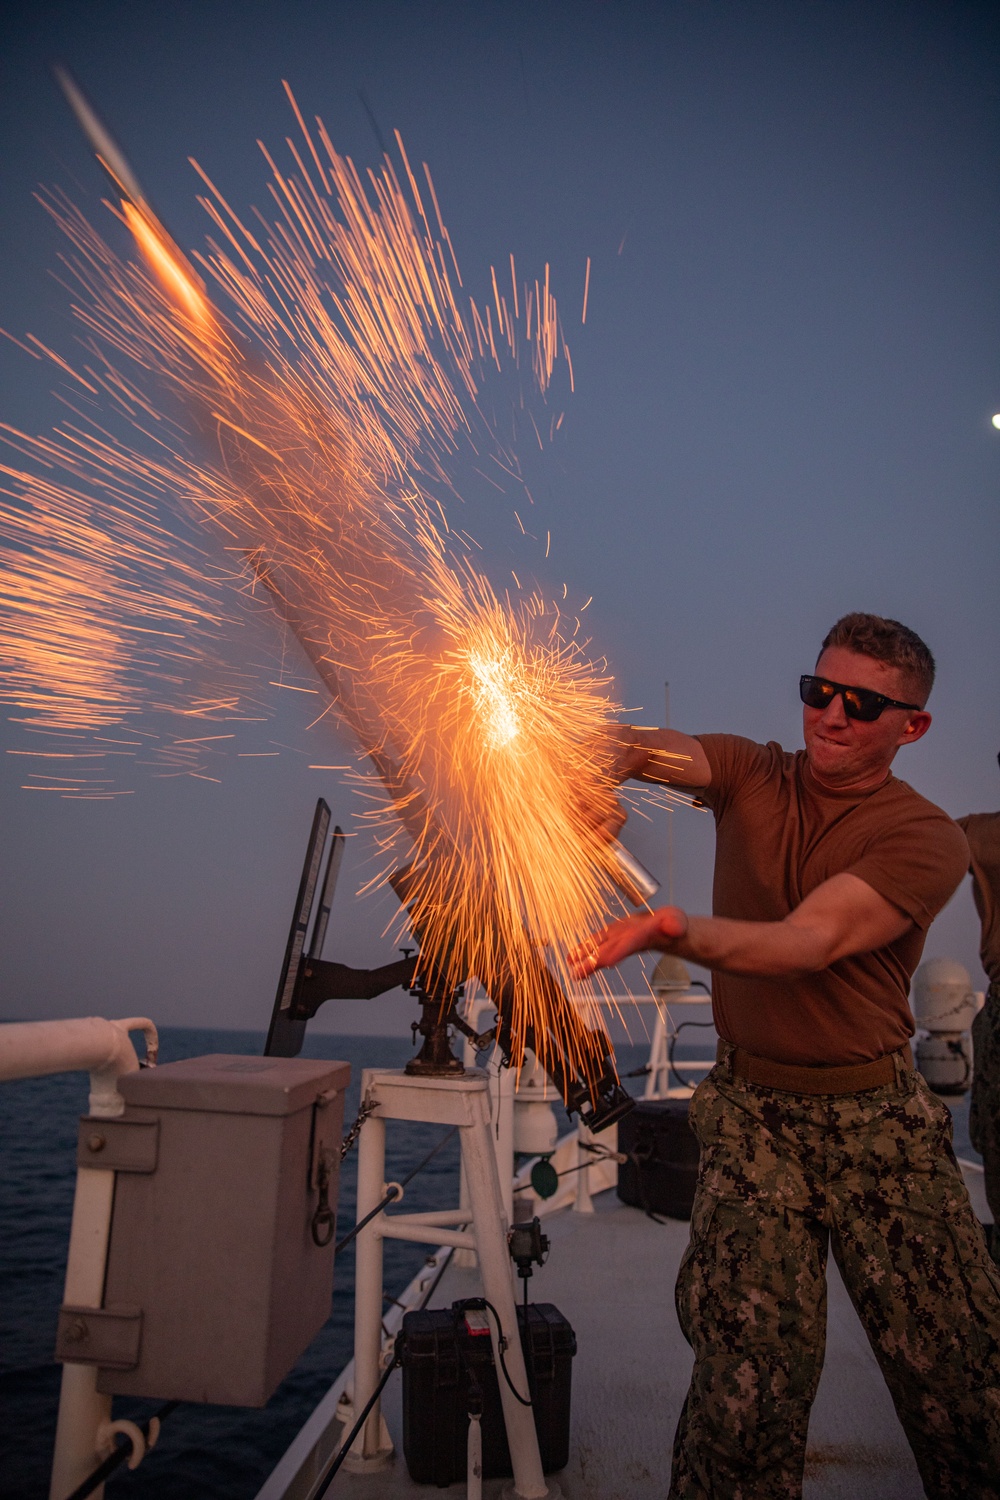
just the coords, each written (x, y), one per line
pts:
(612, 1274)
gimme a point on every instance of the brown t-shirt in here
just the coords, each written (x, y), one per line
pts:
(779, 836)
(983, 833)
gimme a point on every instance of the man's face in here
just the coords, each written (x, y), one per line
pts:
(847, 753)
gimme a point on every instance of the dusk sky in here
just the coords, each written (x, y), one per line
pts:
(783, 403)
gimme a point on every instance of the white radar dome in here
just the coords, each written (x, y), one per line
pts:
(942, 997)
(536, 1129)
(671, 976)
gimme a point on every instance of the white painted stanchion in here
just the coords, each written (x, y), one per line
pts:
(658, 1077)
(502, 1130)
(34, 1048)
(82, 1408)
(373, 1446)
(502, 1091)
(464, 1257)
(462, 1101)
(665, 1031)
(584, 1203)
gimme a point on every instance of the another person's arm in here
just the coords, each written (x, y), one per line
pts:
(842, 916)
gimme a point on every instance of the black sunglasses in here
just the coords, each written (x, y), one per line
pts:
(859, 703)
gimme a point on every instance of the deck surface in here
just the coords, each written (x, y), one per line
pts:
(612, 1274)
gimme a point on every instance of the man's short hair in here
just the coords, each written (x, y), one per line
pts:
(890, 642)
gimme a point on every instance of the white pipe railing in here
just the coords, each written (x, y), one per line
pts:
(91, 1044)
(102, 1048)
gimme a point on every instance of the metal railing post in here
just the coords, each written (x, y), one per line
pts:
(82, 1408)
(370, 1448)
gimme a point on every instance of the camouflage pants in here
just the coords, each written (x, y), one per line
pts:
(782, 1177)
(984, 1112)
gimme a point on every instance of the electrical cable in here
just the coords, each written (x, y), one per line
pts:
(122, 1452)
(673, 1042)
(475, 1304)
(957, 1050)
(445, 1263)
(597, 1153)
(394, 1192)
(351, 1234)
(345, 1447)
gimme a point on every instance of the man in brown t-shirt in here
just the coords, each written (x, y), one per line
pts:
(983, 833)
(814, 1129)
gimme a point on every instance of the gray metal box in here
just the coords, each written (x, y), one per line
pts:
(214, 1246)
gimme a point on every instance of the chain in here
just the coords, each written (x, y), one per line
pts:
(368, 1108)
(323, 1220)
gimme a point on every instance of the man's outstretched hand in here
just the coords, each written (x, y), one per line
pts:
(658, 929)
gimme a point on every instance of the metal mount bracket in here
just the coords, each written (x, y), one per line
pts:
(106, 1336)
(118, 1145)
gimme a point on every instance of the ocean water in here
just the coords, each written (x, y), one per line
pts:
(213, 1453)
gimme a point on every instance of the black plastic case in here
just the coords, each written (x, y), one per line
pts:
(662, 1168)
(440, 1351)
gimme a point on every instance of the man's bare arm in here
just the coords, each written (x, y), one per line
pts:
(842, 916)
(661, 756)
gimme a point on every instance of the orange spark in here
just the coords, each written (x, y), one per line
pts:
(315, 416)
(166, 264)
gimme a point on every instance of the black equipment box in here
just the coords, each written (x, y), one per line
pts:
(445, 1352)
(662, 1167)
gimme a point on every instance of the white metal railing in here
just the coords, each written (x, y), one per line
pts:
(91, 1044)
(583, 1174)
(35, 1049)
(582, 1170)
